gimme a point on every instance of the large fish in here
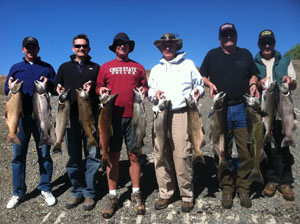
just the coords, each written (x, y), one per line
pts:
(195, 127)
(14, 110)
(160, 131)
(255, 135)
(286, 113)
(107, 102)
(62, 119)
(86, 117)
(218, 131)
(42, 111)
(269, 107)
(138, 120)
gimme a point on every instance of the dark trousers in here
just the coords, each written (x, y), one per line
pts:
(279, 160)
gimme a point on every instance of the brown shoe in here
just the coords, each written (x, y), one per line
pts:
(287, 192)
(245, 200)
(138, 205)
(187, 206)
(270, 189)
(227, 200)
(161, 203)
(73, 202)
(88, 204)
(111, 206)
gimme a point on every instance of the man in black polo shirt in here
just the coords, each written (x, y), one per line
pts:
(232, 70)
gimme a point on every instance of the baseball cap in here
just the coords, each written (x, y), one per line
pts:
(225, 27)
(30, 40)
(266, 34)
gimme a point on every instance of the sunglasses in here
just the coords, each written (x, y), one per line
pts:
(120, 43)
(228, 33)
(265, 42)
(80, 45)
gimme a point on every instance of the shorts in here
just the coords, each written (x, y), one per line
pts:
(122, 129)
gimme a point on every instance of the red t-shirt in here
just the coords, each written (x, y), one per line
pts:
(122, 77)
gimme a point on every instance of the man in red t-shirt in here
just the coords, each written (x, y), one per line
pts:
(121, 76)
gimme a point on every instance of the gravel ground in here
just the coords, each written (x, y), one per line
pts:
(207, 194)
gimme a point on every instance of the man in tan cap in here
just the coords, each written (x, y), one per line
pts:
(186, 80)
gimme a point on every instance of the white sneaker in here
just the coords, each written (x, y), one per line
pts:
(14, 202)
(48, 197)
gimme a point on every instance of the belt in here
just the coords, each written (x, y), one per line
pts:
(179, 110)
(234, 102)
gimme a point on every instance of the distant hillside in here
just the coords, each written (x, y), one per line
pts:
(296, 64)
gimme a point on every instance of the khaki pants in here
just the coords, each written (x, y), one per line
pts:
(179, 158)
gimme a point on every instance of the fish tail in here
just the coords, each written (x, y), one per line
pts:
(106, 162)
(46, 139)
(13, 139)
(137, 151)
(93, 142)
(224, 165)
(267, 139)
(256, 176)
(199, 157)
(287, 142)
(57, 148)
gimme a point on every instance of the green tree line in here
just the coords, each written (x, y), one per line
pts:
(294, 53)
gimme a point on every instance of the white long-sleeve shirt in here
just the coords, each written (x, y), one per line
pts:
(177, 79)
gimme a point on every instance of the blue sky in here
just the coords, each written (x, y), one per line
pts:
(54, 23)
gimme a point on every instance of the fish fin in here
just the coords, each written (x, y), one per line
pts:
(295, 116)
(203, 130)
(46, 140)
(203, 143)
(294, 127)
(263, 114)
(5, 114)
(256, 176)
(211, 113)
(199, 158)
(93, 129)
(68, 124)
(267, 139)
(56, 149)
(287, 142)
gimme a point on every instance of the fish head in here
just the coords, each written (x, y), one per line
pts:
(106, 98)
(64, 95)
(82, 93)
(252, 102)
(191, 102)
(164, 104)
(284, 88)
(138, 96)
(15, 86)
(218, 100)
(40, 86)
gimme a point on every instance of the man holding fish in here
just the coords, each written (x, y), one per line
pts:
(120, 77)
(79, 77)
(28, 72)
(232, 70)
(175, 87)
(277, 72)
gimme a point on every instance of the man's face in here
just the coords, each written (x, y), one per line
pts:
(266, 46)
(168, 50)
(122, 49)
(30, 51)
(81, 48)
(228, 38)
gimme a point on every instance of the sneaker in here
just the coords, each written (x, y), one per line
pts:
(245, 200)
(187, 206)
(48, 197)
(138, 205)
(110, 207)
(73, 202)
(161, 203)
(88, 204)
(227, 200)
(270, 189)
(287, 192)
(14, 201)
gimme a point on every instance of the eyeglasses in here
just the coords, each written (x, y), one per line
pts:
(265, 42)
(81, 45)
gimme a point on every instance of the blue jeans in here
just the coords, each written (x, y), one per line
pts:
(82, 179)
(29, 126)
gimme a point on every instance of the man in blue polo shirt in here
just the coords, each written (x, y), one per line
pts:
(29, 70)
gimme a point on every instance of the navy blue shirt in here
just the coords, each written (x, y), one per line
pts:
(28, 73)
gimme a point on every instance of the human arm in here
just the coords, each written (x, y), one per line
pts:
(197, 83)
(253, 86)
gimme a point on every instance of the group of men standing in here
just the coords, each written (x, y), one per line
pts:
(227, 68)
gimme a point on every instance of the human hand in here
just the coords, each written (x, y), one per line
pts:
(60, 89)
(141, 89)
(10, 80)
(196, 94)
(212, 90)
(87, 86)
(44, 79)
(262, 83)
(254, 91)
(286, 79)
(103, 90)
(159, 94)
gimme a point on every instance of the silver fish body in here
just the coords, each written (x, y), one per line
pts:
(160, 132)
(138, 120)
(62, 119)
(286, 113)
(218, 130)
(255, 136)
(195, 128)
(42, 111)
(14, 110)
(268, 105)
